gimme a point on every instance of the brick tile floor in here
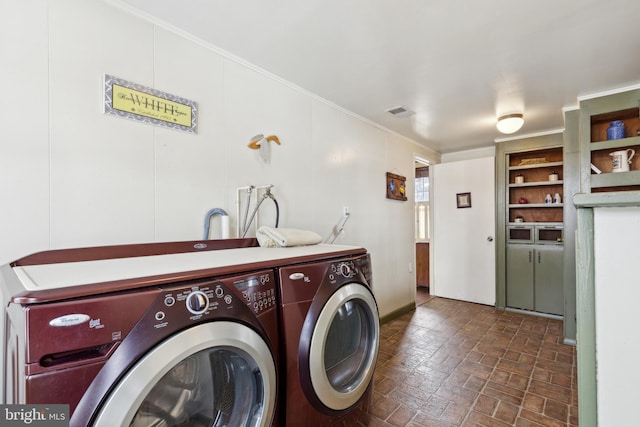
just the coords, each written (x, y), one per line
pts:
(451, 363)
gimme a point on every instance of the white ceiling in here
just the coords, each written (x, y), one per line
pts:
(458, 64)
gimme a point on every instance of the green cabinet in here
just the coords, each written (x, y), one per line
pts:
(520, 276)
(596, 115)
(530, 251)
(549, 278)
(535, 275)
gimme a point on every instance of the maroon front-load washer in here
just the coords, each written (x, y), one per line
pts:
(169, 334)
(331, 333)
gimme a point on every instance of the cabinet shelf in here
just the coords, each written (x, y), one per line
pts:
(535, 205)
(614, 143)
(536, 166)
(596, 115)
(531, 224)
(618, 179)
(599, 123)
(536, 184)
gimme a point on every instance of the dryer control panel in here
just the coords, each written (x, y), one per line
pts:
(301, 282)
(346, 269)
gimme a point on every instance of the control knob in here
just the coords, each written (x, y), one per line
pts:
(346, 270)
(197, 302)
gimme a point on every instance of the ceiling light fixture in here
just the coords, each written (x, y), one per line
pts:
(510, 123)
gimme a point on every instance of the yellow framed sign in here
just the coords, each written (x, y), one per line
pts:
(143, 104)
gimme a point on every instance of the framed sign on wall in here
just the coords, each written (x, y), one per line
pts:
(143, 104)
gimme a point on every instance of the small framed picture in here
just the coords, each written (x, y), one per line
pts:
(396, 187)
(464, 200)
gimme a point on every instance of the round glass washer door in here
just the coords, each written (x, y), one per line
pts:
(344, 347)
(214, 374)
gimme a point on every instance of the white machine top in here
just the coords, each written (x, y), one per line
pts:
(68, 274)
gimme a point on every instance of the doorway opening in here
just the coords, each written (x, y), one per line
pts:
(422, 229)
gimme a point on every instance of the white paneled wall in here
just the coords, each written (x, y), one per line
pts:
(616, 235)
(102, 168)
(72, 176)
(190, 170)
(24, 129)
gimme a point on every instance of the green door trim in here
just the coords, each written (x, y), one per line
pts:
(586, 320)
(585, 296)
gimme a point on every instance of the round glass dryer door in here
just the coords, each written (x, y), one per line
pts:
(344, 347)
(215, 374)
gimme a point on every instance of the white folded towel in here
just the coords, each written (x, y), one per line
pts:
(270, 237)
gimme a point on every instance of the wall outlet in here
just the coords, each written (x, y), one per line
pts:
(410, 267)
(345, 211)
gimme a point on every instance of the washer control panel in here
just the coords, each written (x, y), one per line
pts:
(209, 298)
(258, 292)
(197, 302)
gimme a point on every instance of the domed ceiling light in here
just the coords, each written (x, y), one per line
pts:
(510, 123)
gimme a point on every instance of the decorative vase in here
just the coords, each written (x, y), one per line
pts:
(615, 130)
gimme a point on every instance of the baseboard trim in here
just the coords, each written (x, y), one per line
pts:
(397, 313)
(534, 313)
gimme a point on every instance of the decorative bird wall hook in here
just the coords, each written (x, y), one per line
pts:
(259, 142)
(256, 141)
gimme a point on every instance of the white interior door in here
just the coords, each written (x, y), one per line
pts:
(463, 238)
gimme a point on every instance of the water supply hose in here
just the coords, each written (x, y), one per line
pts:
(275, 202)
(245, 226)
(267, 195)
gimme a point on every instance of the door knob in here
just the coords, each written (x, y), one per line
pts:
(489, 238)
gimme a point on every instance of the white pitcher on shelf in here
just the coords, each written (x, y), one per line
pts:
(622, 159)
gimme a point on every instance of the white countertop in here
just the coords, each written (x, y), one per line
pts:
(61, 275)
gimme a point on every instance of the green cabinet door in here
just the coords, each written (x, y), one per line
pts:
(549, 278)
(519, 283)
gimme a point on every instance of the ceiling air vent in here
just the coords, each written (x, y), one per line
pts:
(400, 112)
